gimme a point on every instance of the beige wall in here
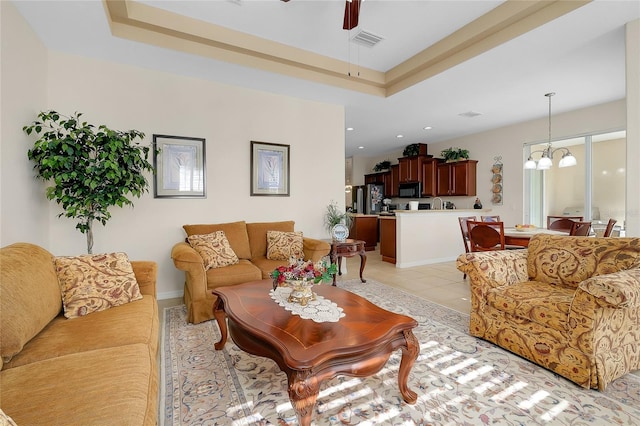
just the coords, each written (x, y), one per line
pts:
(632, 47)
(125, 97)
(23, 205)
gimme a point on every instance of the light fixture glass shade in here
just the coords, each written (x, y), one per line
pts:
(567, 160)
(530, 164)
(544, 163)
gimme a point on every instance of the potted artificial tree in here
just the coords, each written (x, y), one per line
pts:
(91, 169)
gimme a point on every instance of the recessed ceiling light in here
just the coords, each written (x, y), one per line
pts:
(427, 128)
(349, 129)
(399, 136)
(361, 147)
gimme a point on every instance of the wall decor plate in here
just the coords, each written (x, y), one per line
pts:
(496, 188)
(497, 198)
(340, 232)
(497, 178)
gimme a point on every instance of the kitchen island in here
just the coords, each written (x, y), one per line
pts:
(423, 237)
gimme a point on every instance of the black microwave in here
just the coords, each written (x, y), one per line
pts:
(410, 190)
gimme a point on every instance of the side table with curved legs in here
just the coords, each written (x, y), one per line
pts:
(348, 248)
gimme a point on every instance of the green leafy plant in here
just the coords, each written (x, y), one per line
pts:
(383, 165)
(453, 154)
(411, 150)
(334, 216)
(91, 169)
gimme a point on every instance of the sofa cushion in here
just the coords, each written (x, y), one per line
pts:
(135, 322)
(284, 245)
(571, 260)
(542, 303)
(111, 386)
(214, 249)
(236, 233)
(95, 282)
(30, 295)
(241, 272)
(258, 235)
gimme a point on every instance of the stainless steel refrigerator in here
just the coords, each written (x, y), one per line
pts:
(369, 198)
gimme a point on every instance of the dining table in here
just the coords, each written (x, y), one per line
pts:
(521, 236)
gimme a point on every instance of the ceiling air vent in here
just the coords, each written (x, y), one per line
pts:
(470, 114)
(366, 38)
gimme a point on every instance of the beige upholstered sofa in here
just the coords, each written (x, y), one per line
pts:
(569, 304)
(96, 369)
(249, 243)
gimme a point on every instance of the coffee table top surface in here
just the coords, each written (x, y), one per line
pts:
(305, 342)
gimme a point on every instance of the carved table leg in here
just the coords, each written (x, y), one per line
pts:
(218, 313)
(409, 356)
(303, 392)
(363, 261)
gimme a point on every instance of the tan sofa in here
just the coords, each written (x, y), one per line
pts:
(569, 304)
(98, 369)
(249, 242)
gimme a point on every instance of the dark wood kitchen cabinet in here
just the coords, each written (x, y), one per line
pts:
(388, 239)
(410, 168)
(365, 228)
(374, 178)
(458, 178)
(391, 181)
(429, 177)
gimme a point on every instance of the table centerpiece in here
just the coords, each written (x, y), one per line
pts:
(301, 275)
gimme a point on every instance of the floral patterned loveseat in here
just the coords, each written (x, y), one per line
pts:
(569, 304)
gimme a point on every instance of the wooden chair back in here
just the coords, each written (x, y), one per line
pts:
(495, 218)
(465, 230)
(580, 229)
(609, 228)
(486, 236)
(562, 223)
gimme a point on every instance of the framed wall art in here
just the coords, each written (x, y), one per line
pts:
(180, 167)
(269, 169)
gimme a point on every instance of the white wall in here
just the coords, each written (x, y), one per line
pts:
(125, 97)
(23, 205)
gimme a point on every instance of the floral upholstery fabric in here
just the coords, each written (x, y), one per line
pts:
(284, 245)
(92, 283)
(214, 248)
(531, 303)
(551, 262)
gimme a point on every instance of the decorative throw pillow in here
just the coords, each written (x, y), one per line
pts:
(95, 282)
(214, 249)
(284, 245)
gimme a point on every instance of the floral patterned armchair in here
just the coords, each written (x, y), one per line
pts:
(569, 304)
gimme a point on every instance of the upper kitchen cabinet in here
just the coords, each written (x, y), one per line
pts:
(429, 177)
(393, 182)
(457, 178)
(410, 168)
(374, 177)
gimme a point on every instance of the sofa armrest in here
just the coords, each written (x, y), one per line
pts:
(185, 257)
(146, 273)
(619, 289)
(494, 268)
(315, 249)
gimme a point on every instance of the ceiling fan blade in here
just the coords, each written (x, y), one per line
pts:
(351, 12)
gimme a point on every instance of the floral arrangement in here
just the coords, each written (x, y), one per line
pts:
(298, 269)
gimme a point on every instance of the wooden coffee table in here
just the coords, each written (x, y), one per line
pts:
(359, 344)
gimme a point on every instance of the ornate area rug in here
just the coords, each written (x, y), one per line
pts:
(460, 380)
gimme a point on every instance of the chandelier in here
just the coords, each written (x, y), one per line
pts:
(546, 160)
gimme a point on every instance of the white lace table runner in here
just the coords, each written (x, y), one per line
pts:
(319, 310)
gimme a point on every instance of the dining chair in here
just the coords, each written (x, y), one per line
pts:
(495, 218)
(609, 228)
(486, 236)
(562, 223)
(465, 233)
(580, 229)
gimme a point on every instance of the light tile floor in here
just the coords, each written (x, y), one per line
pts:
(441, 283)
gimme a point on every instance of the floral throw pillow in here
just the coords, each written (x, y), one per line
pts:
(214, 249)
(92, 283)
(284, 245)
